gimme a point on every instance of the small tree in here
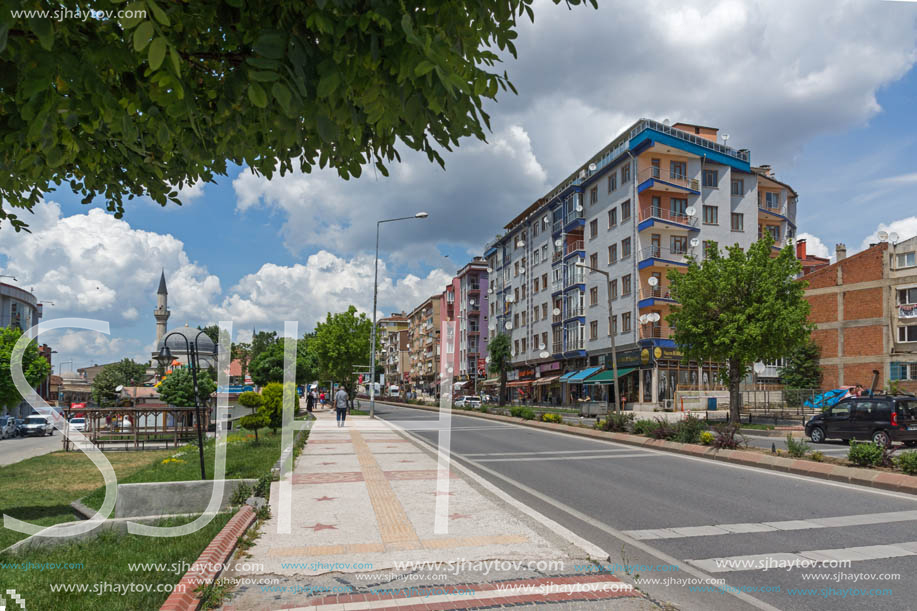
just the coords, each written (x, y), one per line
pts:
(500, 356)
(256, 419)
(738, 309)
(35, 367)
(272, 405)
(123, 373)
(267, 367)
(802, 368)
(339, 345)
(178, 389)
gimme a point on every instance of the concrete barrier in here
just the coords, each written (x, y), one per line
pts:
(167, 498)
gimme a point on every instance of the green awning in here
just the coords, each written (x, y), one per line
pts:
(607, 376)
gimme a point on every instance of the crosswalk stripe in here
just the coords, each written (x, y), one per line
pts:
(805, 559)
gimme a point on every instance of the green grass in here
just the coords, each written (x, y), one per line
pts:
(105, 559)
(759, 427)
(244, 459)
(40, 489)
(358, 412)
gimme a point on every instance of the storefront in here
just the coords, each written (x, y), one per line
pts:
(656, 372)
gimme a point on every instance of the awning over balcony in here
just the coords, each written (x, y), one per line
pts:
(607, 376)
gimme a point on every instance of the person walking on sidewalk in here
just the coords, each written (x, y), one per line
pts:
(340, 405)
(310, 401)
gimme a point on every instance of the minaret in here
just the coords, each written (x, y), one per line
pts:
(161, 313)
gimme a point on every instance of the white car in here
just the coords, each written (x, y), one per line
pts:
(459, 401)
(37, 424)
(77, 424)
(7, 427)
(472, 402)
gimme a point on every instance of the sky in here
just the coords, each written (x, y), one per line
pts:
(823, 90)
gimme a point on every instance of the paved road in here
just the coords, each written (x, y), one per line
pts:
(19, 448)
(835, 448)
(628, 500)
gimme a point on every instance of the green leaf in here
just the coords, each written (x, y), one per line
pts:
(4, 33)
(43, 30)
(157, 52)
(326, 129)
(257, 95)
(271, 44)
(263, 76)
(328, 83)
(423, 67)
(283, 96)
(143, 35)
(176, 60)
(158, 13)
(162, 134)
(234, 3)
(137, 12)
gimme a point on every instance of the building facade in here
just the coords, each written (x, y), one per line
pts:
(423, 335)
(865, 310)
(638, 208)
(464, 302)
(18, 307)
(392, 333)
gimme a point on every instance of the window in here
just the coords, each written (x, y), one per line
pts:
(544, 340)
(625, 322)
(654, 165)
(593, 330)
(515, 347)
(544, 252)
(711, 178)
(516, 320)
(612, 254)
(711, 215)
(594, 260)
(772, 200)
(905, 371)
(544, 281)
(907, 296)
(613, 288)
(536, 258)
(524, 316)
(907, 334)
(678, 169)
(679, 244)
(612, 181)
(774, 230)
(625, 173)
(516, 268)
(625, 210)
(535, 315)
(614, 324)
(738, 221)
(544, 310)
(593, 228)
(523, 291)
(594, 296)
(593, 196)
(738, 186)
(906, 259)
(516, 294)
(625, 284)
(535, 283)
(613, 218)
(625, 248)
(678, 206)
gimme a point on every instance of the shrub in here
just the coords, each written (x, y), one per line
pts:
(907, 462)
(557, 418)
(662, 429)
(817, 456)
(527, 414)
(864, 454)
(707, 438)
(483, 409)
(643, 427)
(618, 422)
(263, 487)
(689, 430)
(240, 495)
(728, 437)
(516, 411)
(796, 449)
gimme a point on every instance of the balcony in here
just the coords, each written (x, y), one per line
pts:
(651, 331)
(650, 215)
(575, 310)
(575, 343)
(557, 256)
(670, 181)
(557, 318)
(474, 287)
(557, 347)
(644, 124)
(557, 286)
(576, 275)
(575, 246)
(650, 297)
(666, 257)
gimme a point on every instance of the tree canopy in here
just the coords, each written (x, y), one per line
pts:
(802, 369)
(178, 389)
(35, 367)
(341, 344)
(165, 93)
(268, 365)
(738, 309)
(123, 373)
(500, 351)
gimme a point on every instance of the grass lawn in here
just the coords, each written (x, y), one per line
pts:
(40, 489)
(105, 564)
(244, 459)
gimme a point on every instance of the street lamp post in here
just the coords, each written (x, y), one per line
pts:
(165, 357)
(611, 332)
(372, 336)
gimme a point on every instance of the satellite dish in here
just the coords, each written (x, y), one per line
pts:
(510, 299)
(522, 271)
(490, 270)
(592, 167)
(759, 368)
(558, 242)
(520, 244)
(654, 317)
(490, 291)
(471, 301)
(579, 207)
(546, 220)
(544, 354)
(883, 236)
(694, 242)
(643, 319)
(513, 354)
(725, 137)
(509, 326)
(691, 211)
(449, 370)
(893, 237)
(582, 174)
(666, 122)
(487, 359)
(119, 388)
(653, 281)
(556, 311)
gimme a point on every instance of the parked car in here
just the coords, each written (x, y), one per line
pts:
(473, 402)
(7, 427)
(37, 424)
(20, 423)
(882, 419)
(77, 423)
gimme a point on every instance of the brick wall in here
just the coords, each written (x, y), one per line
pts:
(863, 341)
(827, 341)
(830, 378)
(864, 303)
(864, 266)
(861, 373)
(823, 308)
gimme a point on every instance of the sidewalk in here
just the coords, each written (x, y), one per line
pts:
(365, 501)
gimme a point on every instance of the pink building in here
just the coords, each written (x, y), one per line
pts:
(465, 302)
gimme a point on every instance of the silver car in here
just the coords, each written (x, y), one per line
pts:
(7, 427)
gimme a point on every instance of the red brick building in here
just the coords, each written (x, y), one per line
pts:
(860, 324)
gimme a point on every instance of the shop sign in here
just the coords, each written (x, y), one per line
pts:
(526, 374)
(544, 367)
(626, 358)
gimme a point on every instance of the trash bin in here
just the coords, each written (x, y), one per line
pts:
(711, 404)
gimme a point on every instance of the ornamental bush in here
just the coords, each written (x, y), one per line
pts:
(907, 462)
(864, 454)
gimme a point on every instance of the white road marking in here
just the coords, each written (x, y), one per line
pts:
(554, 458)
(476, 454)
(810, 523)
(757, 562)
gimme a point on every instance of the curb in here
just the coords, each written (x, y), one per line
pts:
(204, 570)
(896, 482)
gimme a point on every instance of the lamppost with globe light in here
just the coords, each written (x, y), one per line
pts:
(372, 333)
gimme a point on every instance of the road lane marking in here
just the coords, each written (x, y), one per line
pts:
(554, 458)
(809, 523)
(484, 454)
(757, 562)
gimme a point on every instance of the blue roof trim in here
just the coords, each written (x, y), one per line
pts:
(573, 223)
(579, 318)
(649, 182)
(651, 262)
(574, 353)
(643, 225)
(779, 216)
(581, 286)
(649, 136)
(490, 251)
(651, 301)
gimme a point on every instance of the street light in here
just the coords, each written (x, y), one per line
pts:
(372, 338)
(614, 355)
(165, 357)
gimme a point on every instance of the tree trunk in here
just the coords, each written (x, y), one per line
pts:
(502, 387)
(736, 370)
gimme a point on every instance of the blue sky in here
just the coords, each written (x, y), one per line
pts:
(830, 108)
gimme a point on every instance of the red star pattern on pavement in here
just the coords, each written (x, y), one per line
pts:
(458, 516)
(328, 463)
(319, 526)
(405, 461)
(438, 493)
(326, 498)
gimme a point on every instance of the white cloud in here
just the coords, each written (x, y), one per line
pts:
(905, 228)
(814, 245)
(899, 180)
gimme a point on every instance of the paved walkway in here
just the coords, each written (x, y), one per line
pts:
(364, 536)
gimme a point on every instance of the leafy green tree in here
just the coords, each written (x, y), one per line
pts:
(500, 352)
(212, 331)
(178, 389)
(738, 309)
(261, 341)
(242, 352)
(147, 104)
(802, 369)
(268, 366)
(123, 373)
(256, 419)
(35, 367)
(272, 404)
(340, 344)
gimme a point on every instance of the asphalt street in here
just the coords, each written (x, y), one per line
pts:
(14, 449)
(656, 508)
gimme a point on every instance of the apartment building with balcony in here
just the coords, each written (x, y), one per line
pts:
(393, 354)
(424, 346)
(865, 310)
(638, 208)
(464, 303)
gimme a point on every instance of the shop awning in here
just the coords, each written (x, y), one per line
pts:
(491, 381)
(516, 383)
(607, 376)
(548, 380)
(577, 377)
(458, 385)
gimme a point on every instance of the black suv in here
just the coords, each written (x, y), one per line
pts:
(881, 418)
